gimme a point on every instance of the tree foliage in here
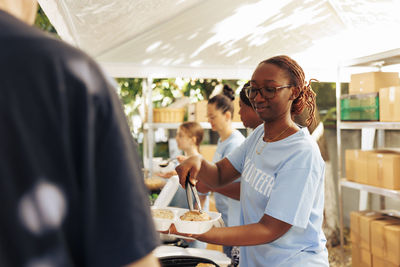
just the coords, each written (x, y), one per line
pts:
(42, 22)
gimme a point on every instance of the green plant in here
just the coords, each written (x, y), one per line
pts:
(42, 22)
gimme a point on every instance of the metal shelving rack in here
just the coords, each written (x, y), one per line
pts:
(369, 131)
(371, 189)
(205, 125)
(150, 126)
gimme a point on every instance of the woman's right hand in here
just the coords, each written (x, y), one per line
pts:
(190, 166)
(166, 174)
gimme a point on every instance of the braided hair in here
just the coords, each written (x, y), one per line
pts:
(305, 94)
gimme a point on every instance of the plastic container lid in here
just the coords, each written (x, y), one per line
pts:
(167, 193)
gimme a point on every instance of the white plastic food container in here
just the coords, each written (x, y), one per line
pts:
(167, 193)
(187, 227)
(163, 224)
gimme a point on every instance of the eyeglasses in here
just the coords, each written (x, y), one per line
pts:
(266, 92)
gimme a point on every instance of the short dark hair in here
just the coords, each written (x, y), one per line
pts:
(243, 95)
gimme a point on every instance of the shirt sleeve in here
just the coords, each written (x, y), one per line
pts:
(294, 191)
(238, 155)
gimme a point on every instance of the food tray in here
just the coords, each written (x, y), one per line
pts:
(187, 227)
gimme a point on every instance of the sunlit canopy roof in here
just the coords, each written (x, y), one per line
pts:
(224, 38)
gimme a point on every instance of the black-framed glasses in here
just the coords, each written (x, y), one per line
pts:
(267, 92)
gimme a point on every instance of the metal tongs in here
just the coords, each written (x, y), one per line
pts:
(190, 192)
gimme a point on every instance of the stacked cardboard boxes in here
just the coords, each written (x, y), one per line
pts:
(371, 82)
(375, 239)
(385, 238)
(379, 168)
(363, 102)
(360, 237)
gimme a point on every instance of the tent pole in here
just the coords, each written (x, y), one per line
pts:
(150, 135)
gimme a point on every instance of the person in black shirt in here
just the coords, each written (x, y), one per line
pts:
(71, 186)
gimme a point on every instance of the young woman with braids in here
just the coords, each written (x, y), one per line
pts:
(282, 184)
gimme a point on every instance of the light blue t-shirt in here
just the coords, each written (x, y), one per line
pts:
(285, 180)
(228, 207)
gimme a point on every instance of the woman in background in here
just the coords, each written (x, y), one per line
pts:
(250, 120)
(188, 138)
(220, 114)
(247, 114)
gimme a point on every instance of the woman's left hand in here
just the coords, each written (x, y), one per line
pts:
(172, 231)
(166, 174)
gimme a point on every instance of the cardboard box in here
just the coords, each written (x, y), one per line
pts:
(208, 151)
(378, 241)
(379, 262)
(389, 104)
(350, 158)
(356, 165)
(365, 257)
(365, 222)
(361, 166)
(355, 216)
(198, 111)
(360, 257)
(383, 169)
(392, 247)
(375, 169)
(355, 256)
(354, 227)
(370, 82)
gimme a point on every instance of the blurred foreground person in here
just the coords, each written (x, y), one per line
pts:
(71, 188)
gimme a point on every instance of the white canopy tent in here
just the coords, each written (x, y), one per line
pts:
(226, 38)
